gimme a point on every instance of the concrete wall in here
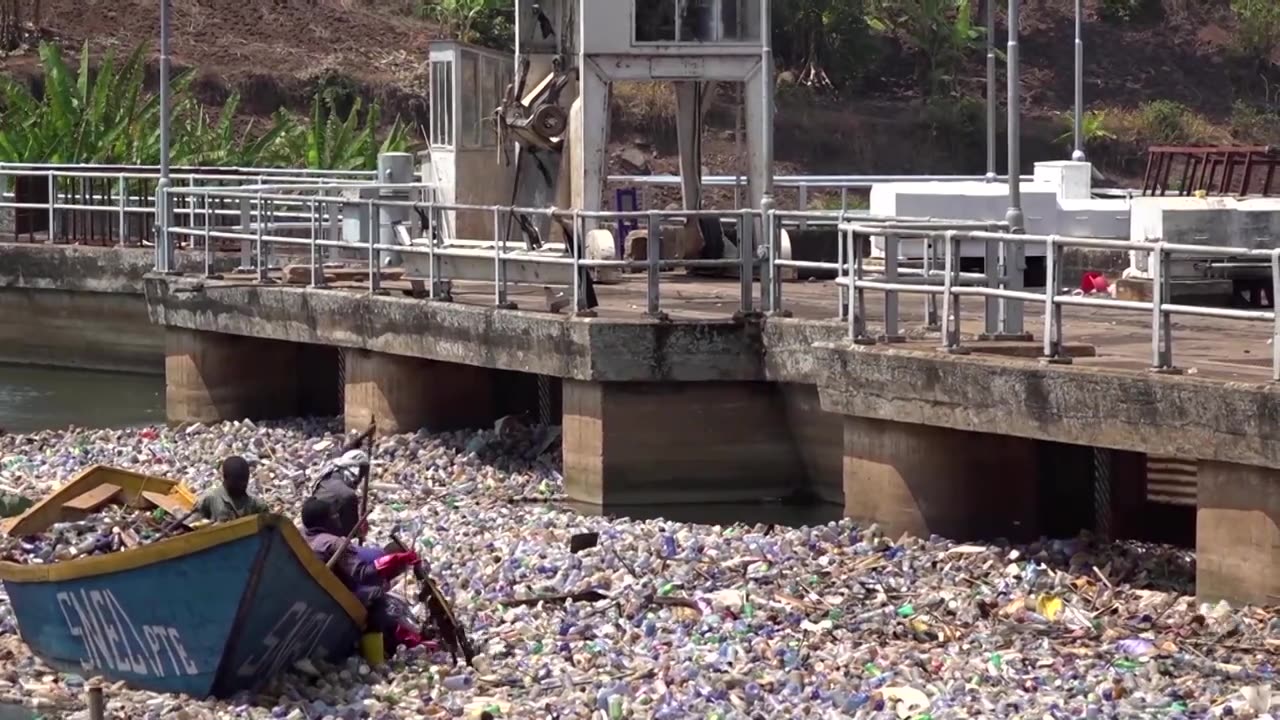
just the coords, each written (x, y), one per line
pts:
(81, 307)
(101, 331)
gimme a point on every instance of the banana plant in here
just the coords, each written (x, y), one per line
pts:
(472, 21)
(109, 117)
(942, 32)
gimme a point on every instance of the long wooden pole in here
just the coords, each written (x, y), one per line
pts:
(346, 541)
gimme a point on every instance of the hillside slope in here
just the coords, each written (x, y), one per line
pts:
(280, 52)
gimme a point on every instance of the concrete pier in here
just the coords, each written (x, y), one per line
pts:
(211, 377)
(926, 480)
(667, 443)
(404, 394)
(1238, 534)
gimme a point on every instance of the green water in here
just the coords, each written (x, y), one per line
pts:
(42, 398)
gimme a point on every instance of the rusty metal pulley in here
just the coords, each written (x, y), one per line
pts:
(549, 121)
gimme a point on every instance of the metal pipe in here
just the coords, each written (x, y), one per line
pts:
(1078, 126)
(993, 108)
(163, 247)
(767, 87)
(1014, 216)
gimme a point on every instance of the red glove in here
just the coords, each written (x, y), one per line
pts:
(392, 564)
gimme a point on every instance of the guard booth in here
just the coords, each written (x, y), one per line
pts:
(464, 162)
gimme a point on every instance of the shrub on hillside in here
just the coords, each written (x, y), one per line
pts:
(1257, 33)
(1253, 124)
(1165, 122)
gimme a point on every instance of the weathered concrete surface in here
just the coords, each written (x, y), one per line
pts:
(925, 480)
(1124, 410)
(1238, 534)
(541, 343)
(670, 443)
(212, 378)
(77, 268)
(819, 438)
(98, 331)
(405, 394)
(81, 307)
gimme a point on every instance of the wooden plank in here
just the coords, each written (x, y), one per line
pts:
(94, 499)
(168, 503)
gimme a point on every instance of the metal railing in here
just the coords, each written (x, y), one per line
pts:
(432, 245)
(304, 214)
(951, 286)
(803, 188)
(115, 205)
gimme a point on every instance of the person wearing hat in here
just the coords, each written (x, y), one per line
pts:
(339, 482)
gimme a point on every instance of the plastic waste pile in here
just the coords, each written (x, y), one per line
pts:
(593, 617)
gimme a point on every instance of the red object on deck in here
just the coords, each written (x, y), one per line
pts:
(1092, 282)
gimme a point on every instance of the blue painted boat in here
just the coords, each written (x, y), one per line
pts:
(212, 612)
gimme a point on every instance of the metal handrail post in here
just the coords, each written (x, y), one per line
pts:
(316, 272)
(653, 260)
(1053, 352)
(747, 256)
(951, 301)
(858, 310)
(766, 267)
(121, 203)
(208, 238)
(53, 205)
(433, 270)
(843, 257)
(774, 239)
(499, 265)
(375, 272)
(846, 238)
(931, 320)
(1275, 324)
(892, 248)
(257, 249)
(1161, 340)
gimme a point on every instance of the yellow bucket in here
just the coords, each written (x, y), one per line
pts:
(373, 649)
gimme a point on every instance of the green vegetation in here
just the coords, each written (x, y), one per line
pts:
(107, 116)
(1258, 34)
(941, 33)
(1093, 129)
(483, 22)
(822, 39)
(1254, 124)
(1165, 121)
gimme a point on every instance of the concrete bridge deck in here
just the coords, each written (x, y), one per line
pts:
(1212, 348)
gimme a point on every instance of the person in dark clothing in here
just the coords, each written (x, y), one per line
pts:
(339, 483)
(232, 501)
(366, 579)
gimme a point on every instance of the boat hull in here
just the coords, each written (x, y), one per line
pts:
(213, 612)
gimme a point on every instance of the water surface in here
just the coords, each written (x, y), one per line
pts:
(42, 398)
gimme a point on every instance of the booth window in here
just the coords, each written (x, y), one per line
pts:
(696, 21)
(471, 100)
(442, 103)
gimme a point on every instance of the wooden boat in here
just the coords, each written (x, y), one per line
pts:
(212, 612)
